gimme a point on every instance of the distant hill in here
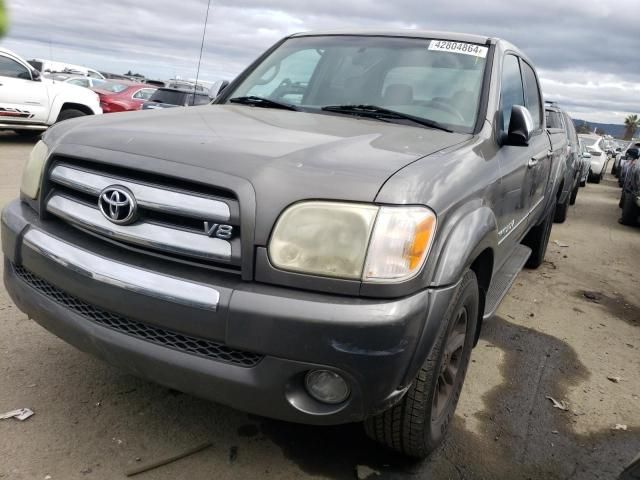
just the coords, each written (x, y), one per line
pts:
(612, 129)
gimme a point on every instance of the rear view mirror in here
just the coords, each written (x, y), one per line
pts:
(633, 153)
(520, 127)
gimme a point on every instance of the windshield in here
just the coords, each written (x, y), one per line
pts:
(113, 87)
(589, 142)
(430, 79)
(170, 97)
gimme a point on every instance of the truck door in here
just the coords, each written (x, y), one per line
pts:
(539, 163)
(514, 194)
(22, 99)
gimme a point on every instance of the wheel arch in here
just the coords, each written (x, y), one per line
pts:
(75, 106)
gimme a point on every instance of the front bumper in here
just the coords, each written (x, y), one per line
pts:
(377, 345)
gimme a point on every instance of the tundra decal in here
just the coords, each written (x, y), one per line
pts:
(15, 113)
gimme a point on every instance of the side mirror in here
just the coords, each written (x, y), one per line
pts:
(217, 88)
(520, 127)
(36, 75)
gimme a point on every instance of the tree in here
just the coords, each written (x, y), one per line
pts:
(631, 124)
(584, 128)
(3, 19)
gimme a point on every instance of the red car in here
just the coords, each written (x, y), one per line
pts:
(123, 96)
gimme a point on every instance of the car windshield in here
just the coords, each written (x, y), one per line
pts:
(170, 97)
(589, 142)
(113, 87)
(436, 80)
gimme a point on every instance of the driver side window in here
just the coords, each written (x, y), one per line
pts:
(511, 89)
(11, 68)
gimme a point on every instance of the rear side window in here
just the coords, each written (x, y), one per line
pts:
(554, 119)
(11, 68)
(511, 90)
(532, 94)
(144, 94)
(81, 82)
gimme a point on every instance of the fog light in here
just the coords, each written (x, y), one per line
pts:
(326, 386)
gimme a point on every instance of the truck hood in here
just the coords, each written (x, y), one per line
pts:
(286, 156)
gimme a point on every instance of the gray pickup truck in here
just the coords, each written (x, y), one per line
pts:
(321, 245)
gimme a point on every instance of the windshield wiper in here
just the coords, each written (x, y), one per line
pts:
(380, 112)
(262, 102)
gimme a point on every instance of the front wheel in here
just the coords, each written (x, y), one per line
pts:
(538, 239)
(417, 425)
(561, 210)
(69, 113)
(574, 195)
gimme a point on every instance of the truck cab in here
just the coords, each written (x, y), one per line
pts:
(30, 103)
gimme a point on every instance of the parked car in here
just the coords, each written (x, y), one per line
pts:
(599, 158)
(560, 128)
(622, 159)
(585, 165)
(74, 79)
(630, 198)
(629, 157)
(325, 262)
(122, 96)
(50, 66)
(29, 103)
(620, 147)
(175, 97)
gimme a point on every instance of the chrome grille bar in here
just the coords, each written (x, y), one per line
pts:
(118, 274)
(154, 198)
(145, 234)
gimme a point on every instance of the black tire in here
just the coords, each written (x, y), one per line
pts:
(583, 183)
(416, 426)
(630, 211)
(69, 113)
(614, 170)
(574, 195)
(561, 210)
(28, 134)
(597, 179)
(538, 239)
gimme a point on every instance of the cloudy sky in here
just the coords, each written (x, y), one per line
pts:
(586, 50)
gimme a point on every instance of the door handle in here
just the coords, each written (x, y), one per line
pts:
(533, 161)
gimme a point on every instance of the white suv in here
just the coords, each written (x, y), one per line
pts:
(30, 103)
(599, 158)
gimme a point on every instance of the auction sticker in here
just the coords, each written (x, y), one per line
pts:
(459, 47)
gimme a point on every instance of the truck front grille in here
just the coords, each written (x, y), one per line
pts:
(172, 218)
(159, 336)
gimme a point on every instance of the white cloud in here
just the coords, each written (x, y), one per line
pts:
(585, 49)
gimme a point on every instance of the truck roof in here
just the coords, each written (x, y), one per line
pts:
(406, 33)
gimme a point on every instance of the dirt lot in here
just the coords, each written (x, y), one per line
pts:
(95, 422)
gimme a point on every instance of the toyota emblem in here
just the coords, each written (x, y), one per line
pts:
(118, 205)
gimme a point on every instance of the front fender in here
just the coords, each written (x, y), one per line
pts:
(471, 230)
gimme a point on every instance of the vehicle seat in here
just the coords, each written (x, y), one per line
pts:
(463, 102)
(398, 94)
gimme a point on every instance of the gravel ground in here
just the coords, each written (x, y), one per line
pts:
(93, 421)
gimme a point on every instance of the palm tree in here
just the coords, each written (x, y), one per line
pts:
(3, 19)
(631, 124)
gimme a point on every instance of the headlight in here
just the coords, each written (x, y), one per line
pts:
(32, 173)
(353, 241)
